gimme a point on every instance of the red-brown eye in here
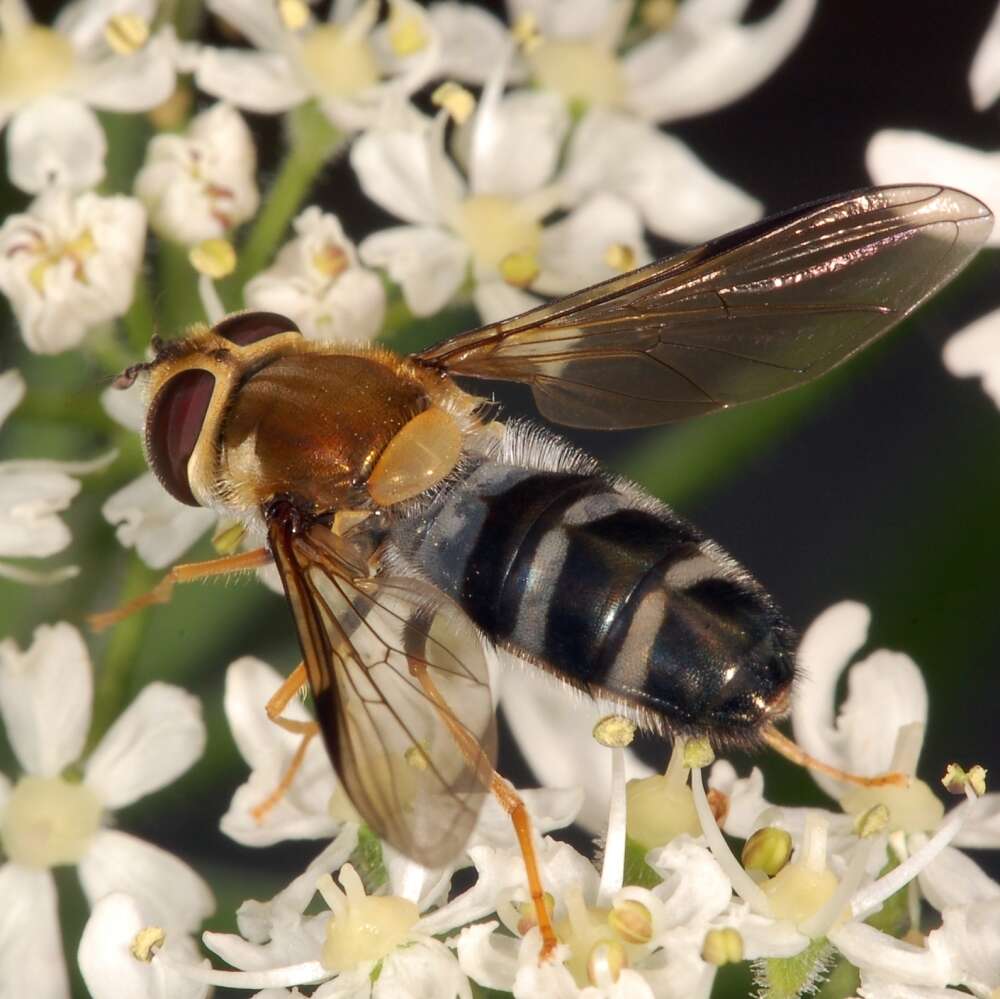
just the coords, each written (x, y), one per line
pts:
(252, 327)
(172, 428)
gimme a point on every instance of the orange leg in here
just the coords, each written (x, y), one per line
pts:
(792, 751)
(160, 594)
(307, 729)
(510, 801)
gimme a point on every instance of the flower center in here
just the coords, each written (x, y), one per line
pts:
(33, 62)
(581, 72)
(583, 930)
(339, 63)
(49, 822)
(498, 229)
(799, 891)
(363, 927)
(911, 809)
(75, 251)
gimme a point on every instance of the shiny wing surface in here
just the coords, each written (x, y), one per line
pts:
(401, 691)
(743, 317)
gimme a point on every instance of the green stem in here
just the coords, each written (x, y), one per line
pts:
(180, 305)
(114, 678)
(313, 140)
(139, 320)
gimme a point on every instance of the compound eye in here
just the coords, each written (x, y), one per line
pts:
(173, 426)
(252, 327)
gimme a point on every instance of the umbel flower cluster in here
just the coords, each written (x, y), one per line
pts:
(517, 158)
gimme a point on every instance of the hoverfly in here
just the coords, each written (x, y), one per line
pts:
(410, 526)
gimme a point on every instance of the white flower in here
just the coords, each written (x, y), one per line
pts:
(32, 493)
(964, 950)
(880, 727)
(117, 948)
(353, 67)
(984, 74)
(47, 820)
(52, 76)
(318, 283)
(701, 60)
(492, 220)
(69, 264)
(202, 184)
(975, 352)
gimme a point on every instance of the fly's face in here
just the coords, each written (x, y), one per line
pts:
(191, 386)
(249, 411)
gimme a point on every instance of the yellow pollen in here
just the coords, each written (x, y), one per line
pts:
(614, 731)
(34, 63)
(331, 261)
(620, 256)
(456, 100)
(294, 14)
(146, 943)
(519, 269)
(416, 758)
(583, 73)
(339, 64)
(698, 753)
(525, 32)
(75, 250)
(722, 946)
(215, 258)
(406, 32)
(49, 822)
(126, 33)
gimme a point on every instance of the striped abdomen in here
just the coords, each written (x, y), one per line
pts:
(609, 590)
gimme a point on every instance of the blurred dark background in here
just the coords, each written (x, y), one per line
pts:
(880, 483)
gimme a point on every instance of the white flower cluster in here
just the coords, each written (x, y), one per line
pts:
(812, 883)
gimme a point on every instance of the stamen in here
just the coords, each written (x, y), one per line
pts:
(406, 31)
(126, 33)
(742, 883)
(722, 946)
(214, 257)
(146, 943)
(620, 257)
(294, 14)
(306, 973)
(820, 924)
(613, 867)
(211, 303)
(456, 100)
(525, 32)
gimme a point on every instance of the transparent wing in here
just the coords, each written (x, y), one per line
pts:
(746, 316)
(401, 691)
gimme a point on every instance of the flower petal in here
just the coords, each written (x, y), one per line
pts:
(110, 969)
(473, 41)
(125, 406)
(55, 142)
(172, 894)
(982, 830)
(158, 736)
(31, 495)
(868, 949)
(424, 969)
(135, 82)
(970, 937)
(697, 67)
(395, 171)
(679, 197)
(150, 520)
(513, 143)
(746, 801)
(884, 692)
(12, 389)
(45, 696)
(892, 153)
(31, 953)
(574, 250)
(975, 351)
(984, 73)
(488, 958)
(258, 81)
(952, 879)
(428, 264)
(824, 652)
